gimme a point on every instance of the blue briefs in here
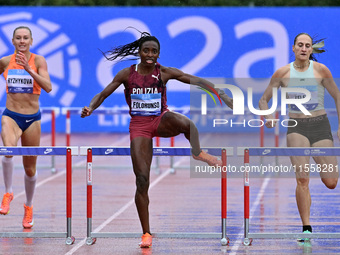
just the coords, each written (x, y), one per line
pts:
(23, 120)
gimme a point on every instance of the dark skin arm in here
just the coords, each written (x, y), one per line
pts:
(174, 73)
(167, 74)
(97, 100)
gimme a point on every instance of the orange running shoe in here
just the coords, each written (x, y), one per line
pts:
(146, 241)
(8, 197)
(28, 221)
(207, 158)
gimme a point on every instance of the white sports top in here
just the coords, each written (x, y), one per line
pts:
(307, 81)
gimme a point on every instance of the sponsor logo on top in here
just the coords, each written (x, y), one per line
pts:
(266, 151)
(47, 151)
(108, 151)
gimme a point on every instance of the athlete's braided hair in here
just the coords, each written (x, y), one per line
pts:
(130, 49)
(314, 41)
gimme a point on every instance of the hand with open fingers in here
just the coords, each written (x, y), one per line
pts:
(86, 111)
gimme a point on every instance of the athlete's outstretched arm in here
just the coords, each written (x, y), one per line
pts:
(174, 73)
(98, 99)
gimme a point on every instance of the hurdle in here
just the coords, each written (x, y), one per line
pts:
(69, 111)
(53, 111)
(272, 151)
(47, 151)
(158, 151)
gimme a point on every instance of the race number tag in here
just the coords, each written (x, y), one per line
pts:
(311, 104)
(19, 81)
(146, 104)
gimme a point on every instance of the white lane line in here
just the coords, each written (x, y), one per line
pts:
(121, 210)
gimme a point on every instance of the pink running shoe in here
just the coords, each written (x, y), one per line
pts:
(146, 241)
(207, 158)
(28, 221)
(8, 197)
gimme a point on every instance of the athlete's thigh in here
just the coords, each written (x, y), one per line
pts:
(300, 163)
(141, 155)
(326, 165)
(172, 124)
(10, 131)
(31, 137)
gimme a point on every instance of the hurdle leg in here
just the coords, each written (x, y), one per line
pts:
(89, 239)
(261, 137)
(225, 239)
(53, 169)
(277, 135)
(172, 144)
(247, 241)
(69, 238)
(158, 169)
(68, 128)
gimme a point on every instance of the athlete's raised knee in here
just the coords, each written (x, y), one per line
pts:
(330, 183)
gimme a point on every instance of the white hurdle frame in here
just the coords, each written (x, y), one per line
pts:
(157, 151)
(273, 151)
(47, 151)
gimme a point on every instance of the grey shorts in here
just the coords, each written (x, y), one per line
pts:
(315, 128)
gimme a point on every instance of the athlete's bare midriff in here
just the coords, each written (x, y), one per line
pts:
(23, 103)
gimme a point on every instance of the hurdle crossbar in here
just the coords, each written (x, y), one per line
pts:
(158, 151)
(47, 151)
(246, 152)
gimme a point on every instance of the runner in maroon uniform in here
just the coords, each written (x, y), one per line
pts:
(145, 92)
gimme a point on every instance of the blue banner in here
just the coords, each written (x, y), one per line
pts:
(29, 151)
(217, 43)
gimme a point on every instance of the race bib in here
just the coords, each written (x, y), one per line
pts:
(19, 81)
(146, 104)
(311, 104)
